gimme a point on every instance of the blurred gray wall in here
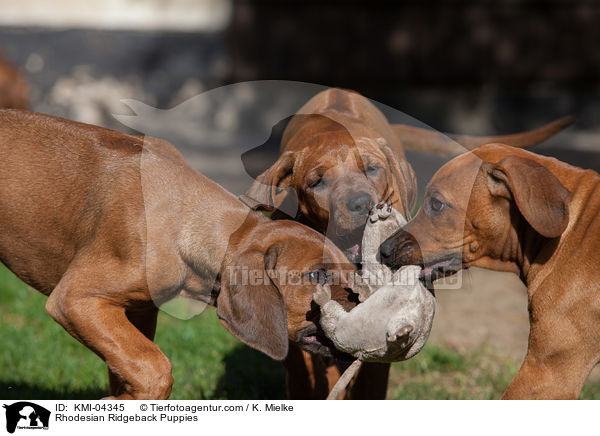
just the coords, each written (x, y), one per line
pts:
(461, 65)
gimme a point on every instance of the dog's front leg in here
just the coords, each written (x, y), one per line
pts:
(139, 370)
(562, 351)
(540, 380)
(144, 319)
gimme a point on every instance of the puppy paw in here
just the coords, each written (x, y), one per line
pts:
(322, 295)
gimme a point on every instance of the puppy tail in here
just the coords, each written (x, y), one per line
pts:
(430, 141)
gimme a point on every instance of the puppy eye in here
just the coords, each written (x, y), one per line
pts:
(372, 169)
(319, 276)
(436, 205)
(317, 183)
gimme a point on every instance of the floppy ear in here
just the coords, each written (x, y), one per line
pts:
(541, 198)
(250, 305)
(403, 177)
(268, 189)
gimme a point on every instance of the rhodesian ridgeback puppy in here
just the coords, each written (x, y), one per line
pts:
(110, 226)
(339, 156)
(512, 210)
(14, 89)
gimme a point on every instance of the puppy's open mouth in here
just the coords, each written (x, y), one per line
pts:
(351, 244)
(441, 267)
(313, 340)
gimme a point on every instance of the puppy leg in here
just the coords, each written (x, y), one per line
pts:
(309, 376)
(562, 351)
(93, 318)
(538, 379)
(144, 320)
(371, 382)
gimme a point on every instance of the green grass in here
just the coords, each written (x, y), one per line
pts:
(438, 373)
(39, 360)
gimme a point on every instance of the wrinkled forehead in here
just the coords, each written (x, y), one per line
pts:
(340, 150)
(312, 245)
(456, 178)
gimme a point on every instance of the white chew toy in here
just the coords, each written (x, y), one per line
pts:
(395, 318)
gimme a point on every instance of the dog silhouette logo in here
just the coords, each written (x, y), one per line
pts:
(26, 415)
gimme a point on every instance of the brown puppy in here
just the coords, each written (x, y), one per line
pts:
(14, 89)
(511, 210)
(339, 156)
(110, 226)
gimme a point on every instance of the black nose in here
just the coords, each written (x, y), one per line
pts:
(359, 204)
(400, 249)
(386, 250)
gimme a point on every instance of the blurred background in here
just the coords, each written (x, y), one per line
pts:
(462, 66)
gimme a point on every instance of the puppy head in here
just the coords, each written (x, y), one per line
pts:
(267, 283)
(337, 177)
(474, 206)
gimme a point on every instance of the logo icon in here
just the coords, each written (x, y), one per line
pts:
(26, 415)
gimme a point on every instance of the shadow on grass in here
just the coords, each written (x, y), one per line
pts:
(20, 391)
(251, 375)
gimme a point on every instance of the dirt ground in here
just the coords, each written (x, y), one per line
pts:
(490, 309)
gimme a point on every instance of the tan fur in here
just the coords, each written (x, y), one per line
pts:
(337, 136)
(512, 210)
(110, 226)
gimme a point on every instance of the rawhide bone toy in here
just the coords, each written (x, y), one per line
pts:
(394, 319)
